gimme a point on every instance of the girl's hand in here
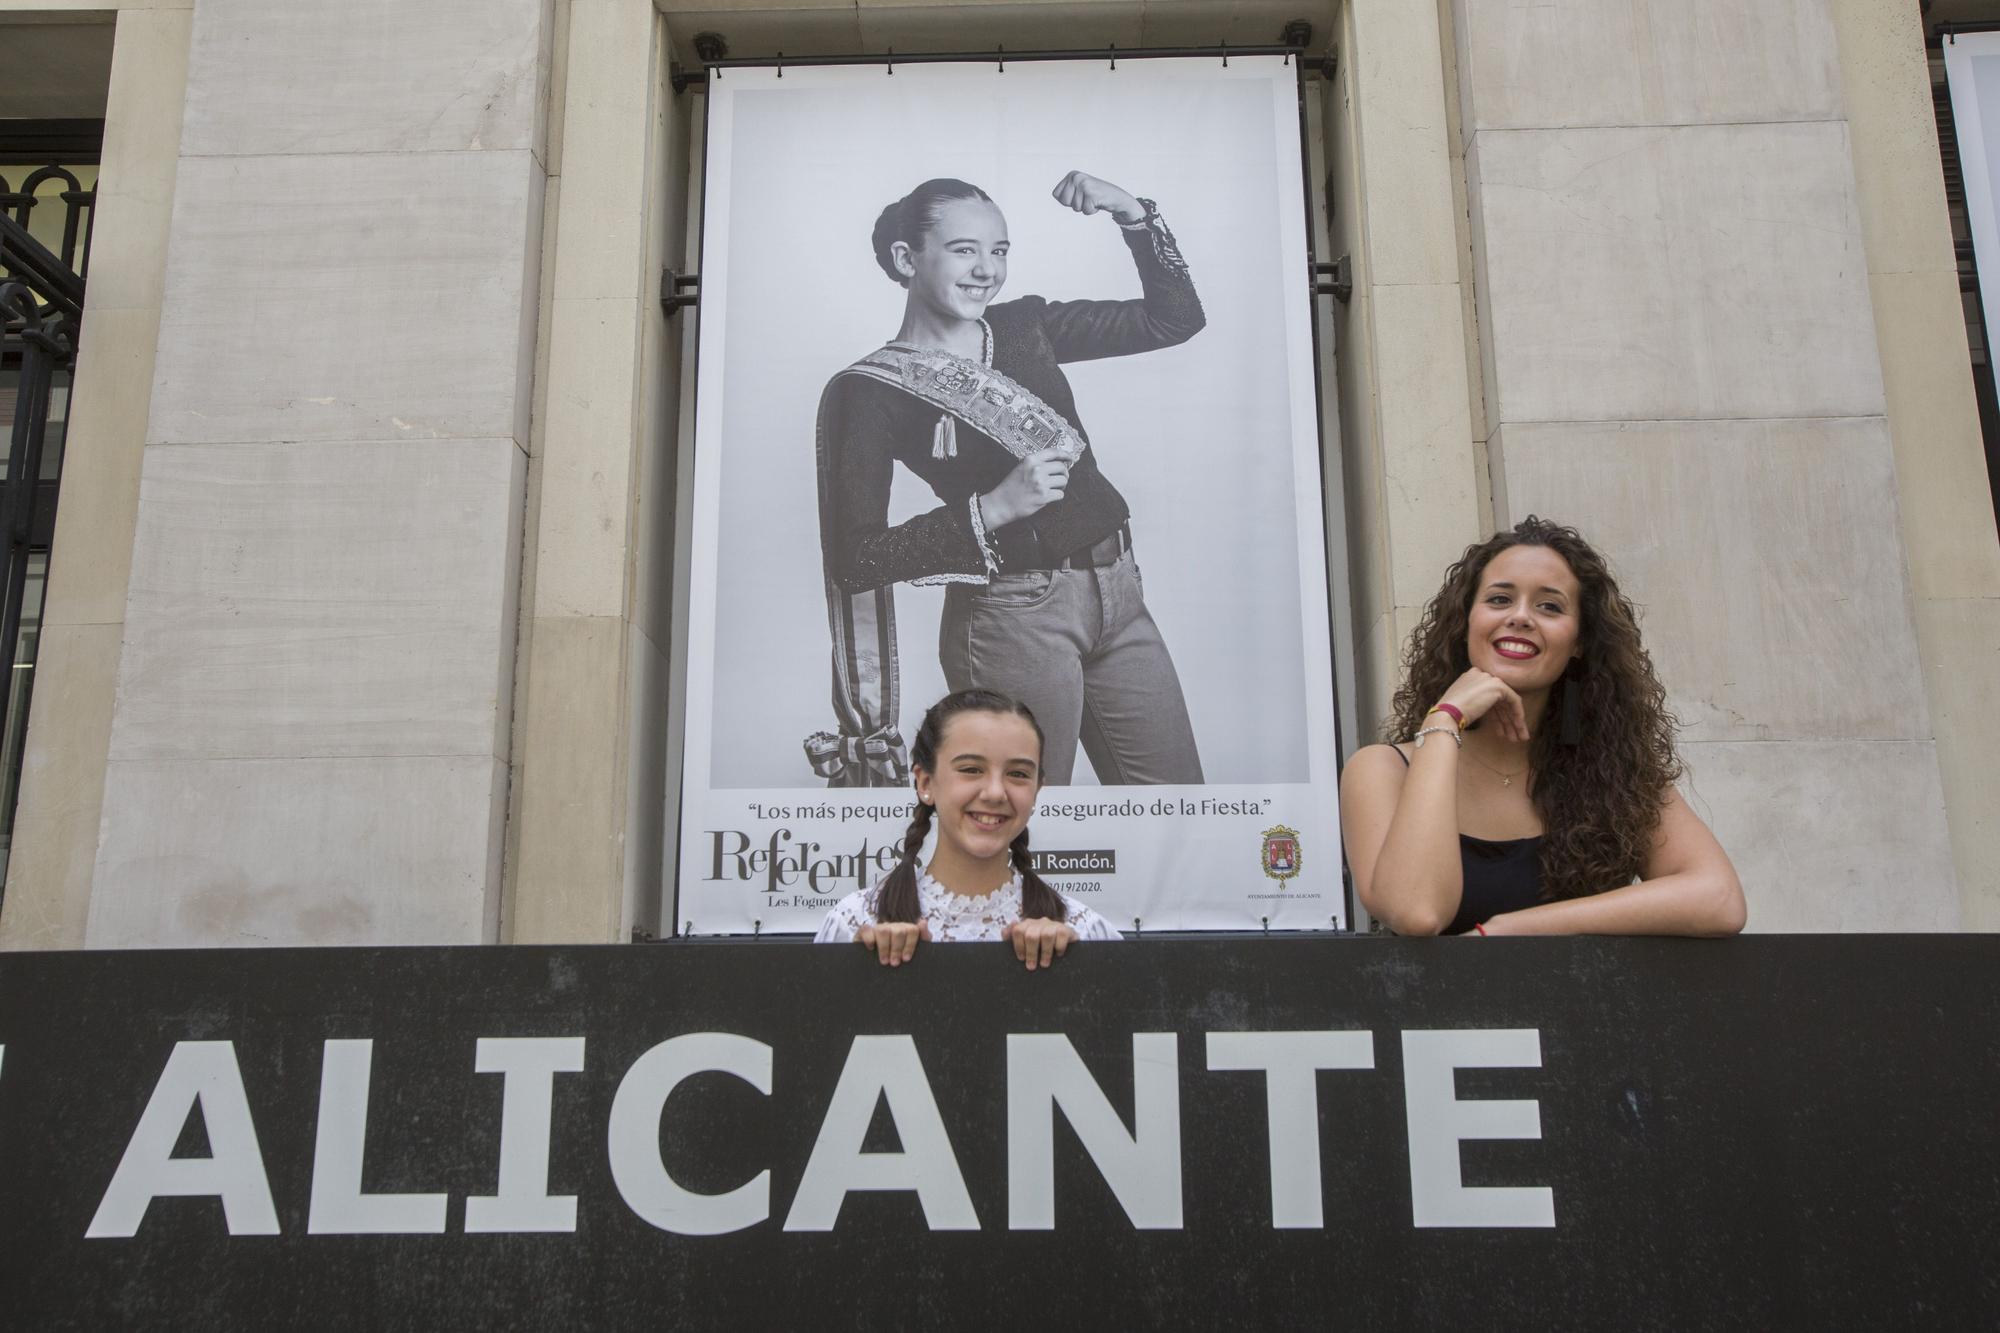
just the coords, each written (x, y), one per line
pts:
(1036, 482)
(1087, 194)
(1477, 694)
(1038, 940)
(894, 942)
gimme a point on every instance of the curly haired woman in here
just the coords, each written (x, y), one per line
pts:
(1533, 793)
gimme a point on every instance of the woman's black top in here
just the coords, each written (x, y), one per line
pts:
(1500, 875)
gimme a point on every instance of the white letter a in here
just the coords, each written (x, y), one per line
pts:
(884, 1068)
(201, 1072)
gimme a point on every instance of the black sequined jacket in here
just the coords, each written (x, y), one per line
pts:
(872, 426)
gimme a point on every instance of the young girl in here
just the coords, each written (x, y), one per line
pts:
(1530, 786)
(1033, 542)
(977, 771)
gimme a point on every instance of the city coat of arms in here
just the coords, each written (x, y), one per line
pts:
(1282, 857)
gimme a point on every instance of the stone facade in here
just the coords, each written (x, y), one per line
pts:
(361, 622)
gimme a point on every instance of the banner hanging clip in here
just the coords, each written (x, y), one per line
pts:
(892, 62)
(678, 291)
(1003, 58)
(1225, 55)
(1114, 56)
(1335, 279)
(710, 47)
(781, 64)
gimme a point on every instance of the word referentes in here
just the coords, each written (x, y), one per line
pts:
(1142, 1166)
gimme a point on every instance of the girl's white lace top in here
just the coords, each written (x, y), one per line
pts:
(954, 916)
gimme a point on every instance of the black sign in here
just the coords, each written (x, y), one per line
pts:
(1761, 1132)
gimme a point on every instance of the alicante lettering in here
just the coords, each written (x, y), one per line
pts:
(1045, 1076)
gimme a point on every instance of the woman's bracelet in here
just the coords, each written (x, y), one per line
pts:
(1452, 732)
(1450, 711)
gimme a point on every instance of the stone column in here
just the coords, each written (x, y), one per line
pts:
(1409, 444)
(1681, 359)
(310, 739)
(1934, 420)
(589, 813)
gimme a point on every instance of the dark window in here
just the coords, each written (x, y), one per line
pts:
(48, 188)
(1976, 330)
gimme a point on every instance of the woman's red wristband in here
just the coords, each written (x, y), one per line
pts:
(1479, 927)
(1451, 711)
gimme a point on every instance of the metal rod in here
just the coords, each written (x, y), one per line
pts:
(42, 269)
(1946, 30)
(24, 464)
(1219, 51)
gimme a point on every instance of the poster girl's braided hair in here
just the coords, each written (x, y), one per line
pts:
(897, 900)
(915, 213)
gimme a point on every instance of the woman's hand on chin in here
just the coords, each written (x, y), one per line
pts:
(1038, 941)
(1478, 695)
(1087, 194)
(893, 942)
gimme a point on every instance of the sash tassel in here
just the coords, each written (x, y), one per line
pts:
(879, 759)
(866, 749)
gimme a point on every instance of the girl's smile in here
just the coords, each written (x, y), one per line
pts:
(959, 264)
(988, 776)
(1523, 625)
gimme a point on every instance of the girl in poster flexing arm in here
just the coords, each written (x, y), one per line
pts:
(1035, 544)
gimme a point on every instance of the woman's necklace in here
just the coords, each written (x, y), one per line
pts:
(1506, 778)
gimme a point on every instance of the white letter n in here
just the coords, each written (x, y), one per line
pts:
(1143, 1168)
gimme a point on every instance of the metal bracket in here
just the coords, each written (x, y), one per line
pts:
(678, 290)
(1335, 279)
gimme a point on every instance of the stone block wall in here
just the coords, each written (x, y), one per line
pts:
(310, 742)
(360, 626)
(1680, 357)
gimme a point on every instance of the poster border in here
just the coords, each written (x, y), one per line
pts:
(1969, 132)
(687, 437)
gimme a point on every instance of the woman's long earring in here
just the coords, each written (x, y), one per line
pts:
(1572, 706)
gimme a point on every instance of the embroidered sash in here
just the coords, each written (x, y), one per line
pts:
(868, 750)
(980, 396)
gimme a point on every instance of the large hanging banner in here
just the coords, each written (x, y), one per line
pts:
(1972, 69)
(928, 293)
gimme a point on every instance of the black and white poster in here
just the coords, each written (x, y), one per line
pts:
(1972, 69)
(1006, 379)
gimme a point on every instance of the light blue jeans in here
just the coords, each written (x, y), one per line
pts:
(1079, 648)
